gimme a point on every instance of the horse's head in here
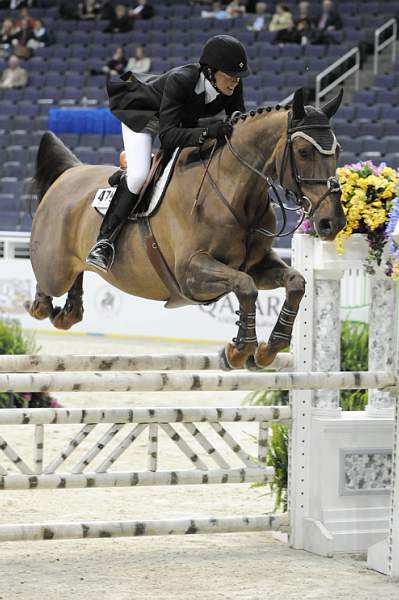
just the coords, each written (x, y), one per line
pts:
(307, 164)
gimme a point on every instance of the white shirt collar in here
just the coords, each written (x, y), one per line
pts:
(203, 85)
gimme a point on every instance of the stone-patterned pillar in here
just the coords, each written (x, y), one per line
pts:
(327, 338)
(382, 334)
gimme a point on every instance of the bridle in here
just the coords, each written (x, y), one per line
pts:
(277, 194)
(331, 183)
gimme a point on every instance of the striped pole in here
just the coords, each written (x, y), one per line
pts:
(193, 382)
(39, 363)
(59, 531)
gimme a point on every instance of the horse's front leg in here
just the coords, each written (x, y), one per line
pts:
(205, 278)
(272, 273)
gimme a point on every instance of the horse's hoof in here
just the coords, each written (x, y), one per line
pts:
(236, 359)
(223, 362)
(39, 310)
(265, 355)
(251, 364)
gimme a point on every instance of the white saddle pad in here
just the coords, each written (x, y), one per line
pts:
(103, 196)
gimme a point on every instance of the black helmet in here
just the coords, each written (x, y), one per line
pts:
(225, 53)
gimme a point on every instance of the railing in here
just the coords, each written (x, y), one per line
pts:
(379, 45)
(14, 244)
(322, 92)
(353, 70)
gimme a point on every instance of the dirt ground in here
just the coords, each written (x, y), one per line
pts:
(230, 566)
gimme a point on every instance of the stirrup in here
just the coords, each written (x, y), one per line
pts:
(92, 259)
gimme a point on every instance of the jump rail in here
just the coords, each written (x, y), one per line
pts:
(160, 382)
(58, 531)
(83, 467)
(128, 362)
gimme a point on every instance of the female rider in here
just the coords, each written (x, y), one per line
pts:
(170, 106)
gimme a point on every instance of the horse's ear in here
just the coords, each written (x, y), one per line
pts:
(331, 107)
(298, 109)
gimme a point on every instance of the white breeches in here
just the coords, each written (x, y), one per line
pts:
(138, 147)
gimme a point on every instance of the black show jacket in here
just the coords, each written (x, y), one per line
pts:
(172, 98)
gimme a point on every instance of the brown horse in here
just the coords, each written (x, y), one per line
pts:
(222, 243)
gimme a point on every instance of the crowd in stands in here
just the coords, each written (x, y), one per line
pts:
(299, 27)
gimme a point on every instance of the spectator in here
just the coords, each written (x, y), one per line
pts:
(143, 10)
(7, 33)
(120, 22)
(282, 18)
(22, 37)
(25, 16)
(139, 63)
(40, 36)
(327, 22)
(217, 12)
(117, 64)
(262, 18)
(14, 76)
(236, 8)
(301, 31)
(89, 9)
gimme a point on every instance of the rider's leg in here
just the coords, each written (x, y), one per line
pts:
(138, 156)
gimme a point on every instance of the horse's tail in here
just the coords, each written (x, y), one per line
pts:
(53, 158)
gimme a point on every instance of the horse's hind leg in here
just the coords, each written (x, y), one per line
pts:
(72, 311)
(207, 276)
(41, 307)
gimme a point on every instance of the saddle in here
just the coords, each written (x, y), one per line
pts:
(157, 166)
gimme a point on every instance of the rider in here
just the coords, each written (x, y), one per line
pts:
(169, 105)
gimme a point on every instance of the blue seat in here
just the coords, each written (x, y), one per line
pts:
(9, 221)
(7, 204)
(364, 97)
(387, 97)
(391, 144)
(351, 145)
(370, 113)
(370, 144)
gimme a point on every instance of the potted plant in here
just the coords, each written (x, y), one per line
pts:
(369, 198)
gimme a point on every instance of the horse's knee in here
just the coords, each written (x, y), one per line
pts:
(295, 285)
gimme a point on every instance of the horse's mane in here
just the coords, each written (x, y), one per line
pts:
(53, 158)
(236, 118)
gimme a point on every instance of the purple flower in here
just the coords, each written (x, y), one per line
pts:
(306, 226)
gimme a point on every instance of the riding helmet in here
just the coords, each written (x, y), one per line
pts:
(225, 53)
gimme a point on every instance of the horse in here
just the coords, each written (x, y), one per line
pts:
(215, 226)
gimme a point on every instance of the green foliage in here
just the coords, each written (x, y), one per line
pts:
(354, 357)
(14, 341)
(278, 458)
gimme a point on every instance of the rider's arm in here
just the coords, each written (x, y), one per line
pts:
(176, 94)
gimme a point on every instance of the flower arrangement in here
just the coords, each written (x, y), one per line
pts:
(371, 206)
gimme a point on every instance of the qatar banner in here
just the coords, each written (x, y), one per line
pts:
(107, 310)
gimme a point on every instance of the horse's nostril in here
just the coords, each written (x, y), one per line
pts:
(325, 225)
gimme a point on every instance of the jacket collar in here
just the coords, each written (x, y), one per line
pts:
(205, 87)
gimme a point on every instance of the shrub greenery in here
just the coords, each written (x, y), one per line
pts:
(13, 340)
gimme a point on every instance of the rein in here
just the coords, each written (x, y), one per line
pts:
(300, 199)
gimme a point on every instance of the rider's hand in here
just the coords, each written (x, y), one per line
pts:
(220, 129)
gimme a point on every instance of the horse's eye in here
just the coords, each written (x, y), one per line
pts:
(303, 153)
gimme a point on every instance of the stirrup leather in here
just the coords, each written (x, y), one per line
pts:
(97, 247)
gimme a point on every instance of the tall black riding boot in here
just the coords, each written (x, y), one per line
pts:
(102, 255)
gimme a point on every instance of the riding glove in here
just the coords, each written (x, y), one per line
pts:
(220, 129)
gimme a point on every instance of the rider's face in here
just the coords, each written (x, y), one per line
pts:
(226, 84)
